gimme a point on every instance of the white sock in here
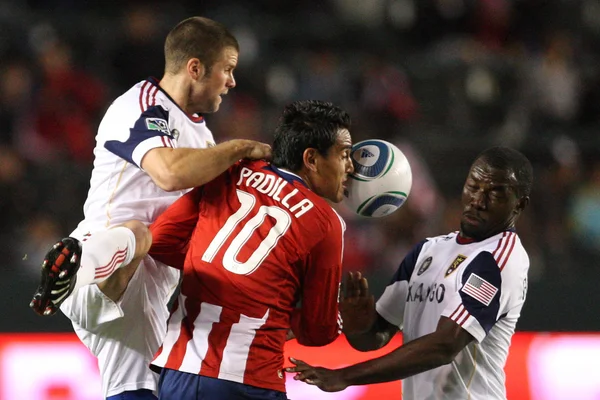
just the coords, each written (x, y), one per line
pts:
(103, 253)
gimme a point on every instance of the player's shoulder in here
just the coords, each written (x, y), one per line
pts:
(322, 214)
(505, 250)
(128, 107)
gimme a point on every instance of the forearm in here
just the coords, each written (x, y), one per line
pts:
(410, 359)
(185, 168)
(378, 335)
(369, 341)
(311, 332)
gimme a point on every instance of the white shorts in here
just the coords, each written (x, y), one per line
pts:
(124, 335)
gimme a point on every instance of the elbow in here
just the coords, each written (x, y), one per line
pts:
(447, 352)
(317, 340)
(168, 180)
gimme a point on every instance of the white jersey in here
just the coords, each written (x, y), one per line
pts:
(479, 285)
(125, 335)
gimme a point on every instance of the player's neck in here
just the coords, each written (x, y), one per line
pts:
(177, 87)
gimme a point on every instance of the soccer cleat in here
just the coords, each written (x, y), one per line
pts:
(59, 274)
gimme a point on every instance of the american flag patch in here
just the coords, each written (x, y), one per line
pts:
(479, 289)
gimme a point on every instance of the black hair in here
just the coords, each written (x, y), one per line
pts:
(197, 37)
(306, 124)
(506, 158)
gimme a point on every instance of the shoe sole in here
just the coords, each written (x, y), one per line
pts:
(58, 274)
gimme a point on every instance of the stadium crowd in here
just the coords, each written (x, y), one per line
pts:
(441, 79)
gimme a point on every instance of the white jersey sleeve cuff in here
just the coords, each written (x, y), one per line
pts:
(147, 145)
(466, 321)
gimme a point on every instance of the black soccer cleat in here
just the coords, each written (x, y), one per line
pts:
(59, 274)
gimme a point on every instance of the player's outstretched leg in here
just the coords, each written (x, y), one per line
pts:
(59, 274)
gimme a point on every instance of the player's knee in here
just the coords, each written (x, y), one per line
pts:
(143, 237)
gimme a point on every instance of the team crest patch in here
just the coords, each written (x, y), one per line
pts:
(157, 124)
(457, 261)
(424, 265)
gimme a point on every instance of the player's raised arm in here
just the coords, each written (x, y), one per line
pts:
(318, 322)
(173, 229)
(183, 168)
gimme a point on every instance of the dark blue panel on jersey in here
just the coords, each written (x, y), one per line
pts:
(406, 268)
(153, 122)
(290, 178)
(483, 265)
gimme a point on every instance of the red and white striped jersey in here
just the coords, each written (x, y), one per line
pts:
(479, 285)
(259, 242)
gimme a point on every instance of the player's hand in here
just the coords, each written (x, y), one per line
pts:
(257, 150)
(290, 335)
(328, 380)
(357, 306)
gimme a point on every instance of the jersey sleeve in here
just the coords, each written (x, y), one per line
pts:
(475, 307)
(150, 131)
(318, 322)
(392, 302)
(172, 230)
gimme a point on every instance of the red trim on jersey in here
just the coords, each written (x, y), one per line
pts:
(513, 239)
(142, 95)
(499, 244)
(195, 118)
(164, 141)
(153, 97)
(460, 315)
(505, 240)
(452, 315)
(463, 240)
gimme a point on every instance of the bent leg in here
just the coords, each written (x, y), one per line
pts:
(104, 252)
(72, 263)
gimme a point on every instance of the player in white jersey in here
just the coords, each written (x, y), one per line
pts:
(456, 298)
(152, 146)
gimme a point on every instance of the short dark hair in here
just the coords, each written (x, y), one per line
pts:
(196, 37)
(506, 158)
(306, 124)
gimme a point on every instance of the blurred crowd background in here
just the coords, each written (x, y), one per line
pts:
(442, 79)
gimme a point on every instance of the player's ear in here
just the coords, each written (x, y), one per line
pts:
(309, 158)
(195, 69)
(521, 204)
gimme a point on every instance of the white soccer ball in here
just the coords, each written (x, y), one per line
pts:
(381, 180)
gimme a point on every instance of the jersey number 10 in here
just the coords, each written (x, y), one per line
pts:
(230, 262)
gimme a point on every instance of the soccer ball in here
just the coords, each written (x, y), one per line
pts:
(381, 180)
